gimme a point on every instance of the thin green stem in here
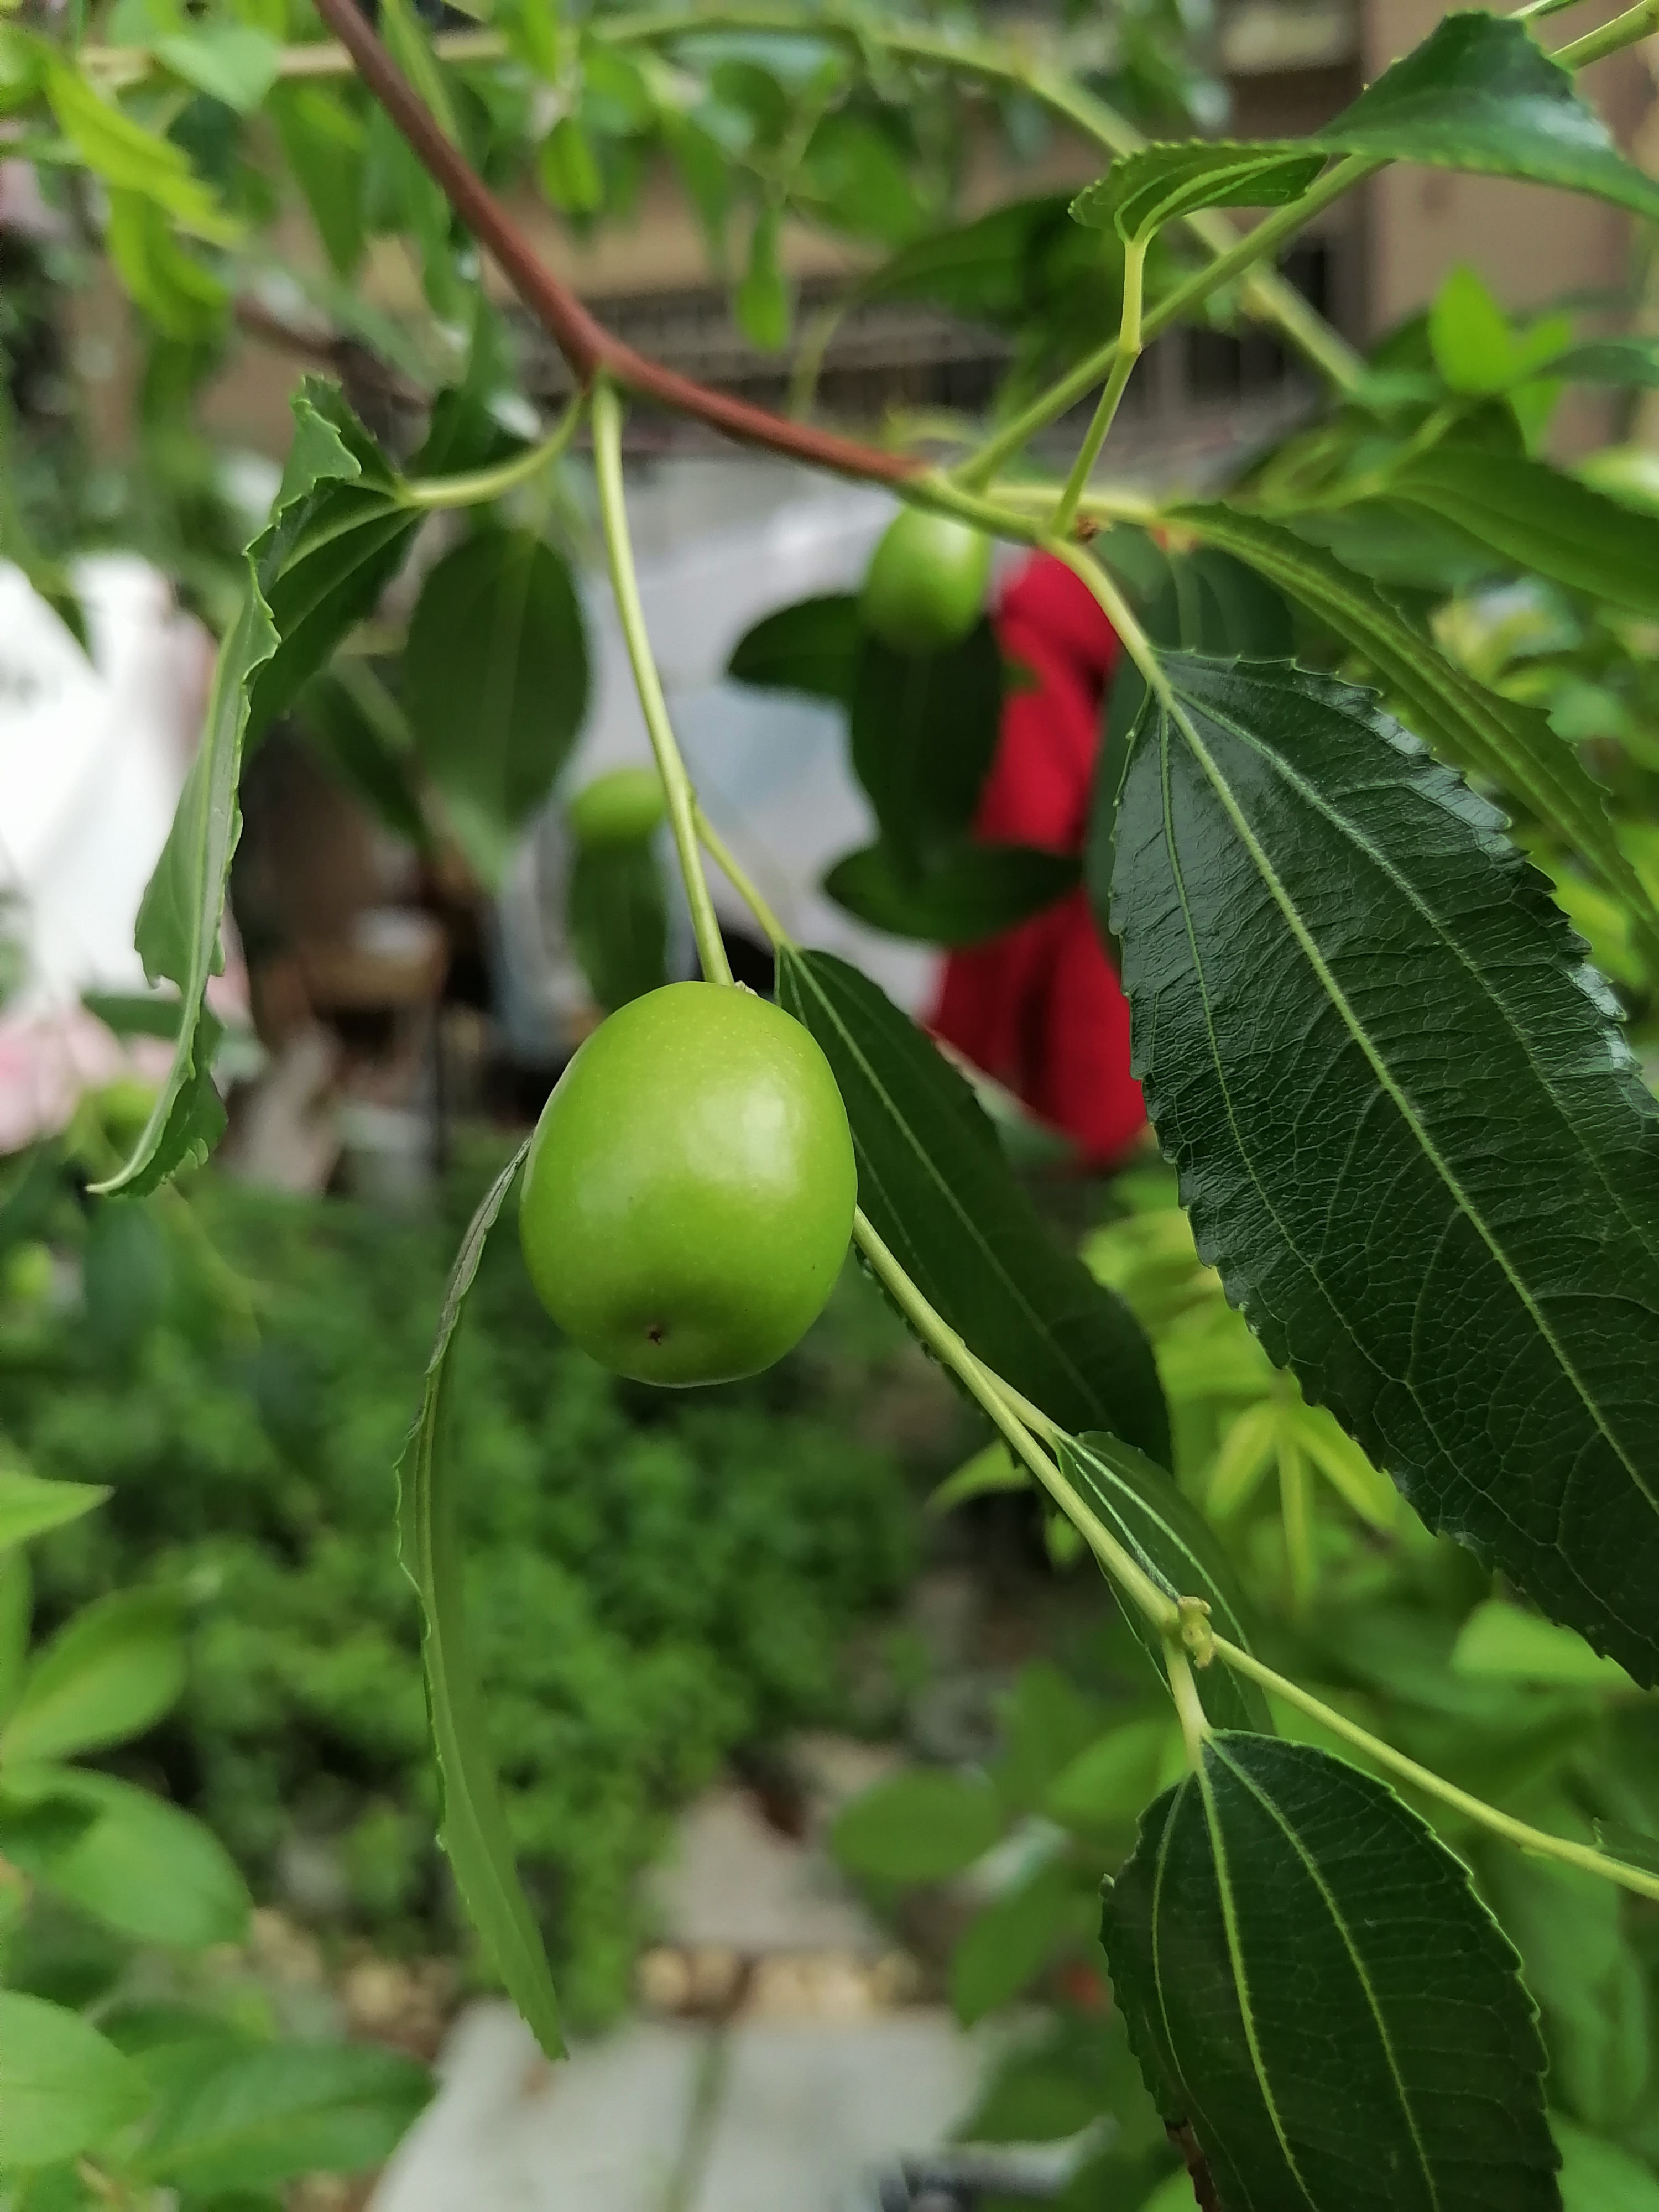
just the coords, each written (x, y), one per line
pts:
(742, 884)
(676, 783)
(475, 486)
(993, 1396)
(1635, 24)
(1518, 1832)
(1068, 390)
(1123, 366)
(1117, 611)
(1194, 1722)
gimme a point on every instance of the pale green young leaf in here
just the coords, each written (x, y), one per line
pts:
(568, 168)
(1500, 1642)
(1105, 1786)
(1474, 347)
(66, 2086)
(110, 1672)
(1312, 1987)
(924, 1825)
(130, 158)
(1496, 738)
(1596, 2176)
(1246, 1453)
(1155, 185)
(17, 1609)
(1449, 1230)
(994, 1468)
(179, 292)
(474, 1832)
(235, 62)
(125, 1856)
(1173, 1544)
(1345, 1467)
(29, 1505)
(762, 303)
(1013, 1939)
(240, 2115)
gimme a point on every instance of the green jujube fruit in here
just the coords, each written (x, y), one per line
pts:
(926, 582)
(689, 1195)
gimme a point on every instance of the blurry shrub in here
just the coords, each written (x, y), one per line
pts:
(654, 1578)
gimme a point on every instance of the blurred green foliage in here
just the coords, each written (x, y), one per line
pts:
(654, 1580)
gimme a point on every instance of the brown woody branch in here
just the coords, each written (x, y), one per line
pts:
(588, 347)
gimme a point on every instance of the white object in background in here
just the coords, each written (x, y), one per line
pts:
(93, 756)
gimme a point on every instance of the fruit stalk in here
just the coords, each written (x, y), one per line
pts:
(676, 783)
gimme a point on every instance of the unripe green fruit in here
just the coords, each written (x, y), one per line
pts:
(689, 1195)
(621, 808)
(926, 582)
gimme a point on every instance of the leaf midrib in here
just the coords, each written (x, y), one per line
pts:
(1361, 1036)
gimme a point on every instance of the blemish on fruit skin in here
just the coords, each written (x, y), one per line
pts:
(656, 1332)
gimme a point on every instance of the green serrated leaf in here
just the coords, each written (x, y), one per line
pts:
(963, 896)
(1469, 335)
(933, 1181)
(67, 2086)
(324, 140)
(1312, 1986)
(569, 169)
(337, 531)
(923, 731)
(1157, 183)
(127, 1857)
(1480, 93)
(1539, 518)
(248, 2116)
(1630, 361)
(29, 1505)
(496, 674)
(1172, 1541)
(110, 1672)
(179, 293)
(617, 919)
(810, 648)
(1496, 738)
(1464, 1260)
(924, 1825)
(474, 1832)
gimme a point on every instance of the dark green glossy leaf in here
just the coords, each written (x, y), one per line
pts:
(246, 2116)
(1312, 1986)
(617, 921)
(67, 2086)
(1156, 184)
(335, 536)
(923, 731)
(1496, 738)
(1538, 518)
(474, 1830)
(496, 675)
(810, 648)
(1409, 1130)
(966, 895)
(1204, 601)
(1152, 1516)
(933, 1181)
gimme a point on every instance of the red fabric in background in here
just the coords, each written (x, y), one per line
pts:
(1041, 1009)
